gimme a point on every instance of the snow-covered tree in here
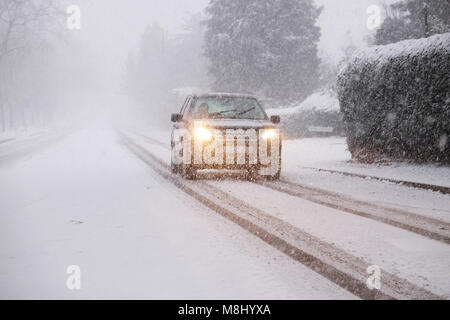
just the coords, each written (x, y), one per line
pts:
(152, 63)
(166, 64)
(414, 19)
(26, 30)
(188, 54)
(25, 21)
(268, 47)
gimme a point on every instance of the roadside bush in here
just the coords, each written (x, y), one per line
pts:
(395, 101)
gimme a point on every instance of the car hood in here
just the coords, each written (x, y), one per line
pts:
(234, 123)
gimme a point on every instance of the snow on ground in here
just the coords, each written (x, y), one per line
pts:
(20, 134)
(300, 155)
(331, 153)
(405, 254)
(408, 255)
(88, 201)
(24, 146)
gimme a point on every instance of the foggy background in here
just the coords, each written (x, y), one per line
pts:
(64, 76)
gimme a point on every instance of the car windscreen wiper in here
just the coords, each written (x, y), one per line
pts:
(246, 111)
(221, 112)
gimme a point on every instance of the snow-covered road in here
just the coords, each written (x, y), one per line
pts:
(408, 255)
(136, 231)
(88, 201)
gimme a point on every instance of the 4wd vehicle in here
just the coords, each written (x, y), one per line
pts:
(225, 131)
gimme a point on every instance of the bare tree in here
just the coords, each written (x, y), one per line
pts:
(22, 23)
(22, 19)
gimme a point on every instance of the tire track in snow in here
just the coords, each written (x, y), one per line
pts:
(30, 146)
(425, 226)
(336, 265)
(418, 185)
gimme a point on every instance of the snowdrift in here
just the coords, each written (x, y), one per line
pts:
(318, 115)
(395, 101)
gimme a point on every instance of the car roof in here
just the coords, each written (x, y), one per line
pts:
(223, 95)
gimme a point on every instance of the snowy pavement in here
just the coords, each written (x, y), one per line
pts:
(87, 201)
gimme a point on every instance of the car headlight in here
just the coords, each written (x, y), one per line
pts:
(203, 134)
(269, 134)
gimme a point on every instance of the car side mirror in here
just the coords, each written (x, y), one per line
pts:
(275, 119)
(176, 117)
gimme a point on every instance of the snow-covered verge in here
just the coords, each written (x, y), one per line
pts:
(395, 101)
(317, 115)
(332, 153)
(302, 157)
(21, 134)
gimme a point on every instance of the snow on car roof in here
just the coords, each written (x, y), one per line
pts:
(223, 94)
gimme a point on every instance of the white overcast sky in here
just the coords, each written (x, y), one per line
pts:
(112, 28)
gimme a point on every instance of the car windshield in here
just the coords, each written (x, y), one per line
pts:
(227, 108)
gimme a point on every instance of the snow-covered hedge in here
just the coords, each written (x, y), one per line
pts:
(395, 100)
(319, 112)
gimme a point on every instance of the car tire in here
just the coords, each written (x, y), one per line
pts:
(176, 169)
(274, 177)
(189, 173)
(252, 174)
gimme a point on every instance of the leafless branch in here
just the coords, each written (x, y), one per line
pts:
(18, 18)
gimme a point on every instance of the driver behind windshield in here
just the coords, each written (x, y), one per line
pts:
(222, 108)
(202, 111)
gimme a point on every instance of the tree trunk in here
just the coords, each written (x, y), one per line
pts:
(24, 118)
(426, 20)
(11, 118)
(2, 115)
